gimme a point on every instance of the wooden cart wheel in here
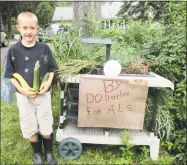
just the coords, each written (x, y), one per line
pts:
(70, 148)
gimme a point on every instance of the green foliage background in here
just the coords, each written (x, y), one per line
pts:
(161, 42)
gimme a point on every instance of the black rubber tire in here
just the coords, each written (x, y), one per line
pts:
(70, 148)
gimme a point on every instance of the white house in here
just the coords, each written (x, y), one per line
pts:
(108, 13)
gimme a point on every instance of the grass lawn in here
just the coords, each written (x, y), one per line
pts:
(16, 150)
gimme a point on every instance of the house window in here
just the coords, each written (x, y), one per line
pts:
(107, 24)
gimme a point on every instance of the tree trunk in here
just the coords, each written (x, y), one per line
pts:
(97, 7)
(2, 25)
(82, 12)
(9, 18)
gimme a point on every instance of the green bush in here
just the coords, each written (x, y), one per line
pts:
(167, 53)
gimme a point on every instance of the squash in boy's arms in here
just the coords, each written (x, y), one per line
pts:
(22, 82)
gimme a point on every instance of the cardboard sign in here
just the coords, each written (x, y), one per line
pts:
(112, 103)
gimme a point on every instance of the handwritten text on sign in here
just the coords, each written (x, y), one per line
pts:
(112, 103)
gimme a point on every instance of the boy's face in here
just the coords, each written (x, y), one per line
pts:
(28, 29)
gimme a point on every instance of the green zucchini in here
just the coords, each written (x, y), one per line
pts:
(46, 76)
(36, 81)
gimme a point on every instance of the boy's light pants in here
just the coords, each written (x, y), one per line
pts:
(35, 114)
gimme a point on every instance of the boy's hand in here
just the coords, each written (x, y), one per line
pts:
(44, 88)
(28, 93)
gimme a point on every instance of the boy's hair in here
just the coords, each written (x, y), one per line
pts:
(28, 15)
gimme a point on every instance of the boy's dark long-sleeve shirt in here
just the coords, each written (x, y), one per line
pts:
(21, 59)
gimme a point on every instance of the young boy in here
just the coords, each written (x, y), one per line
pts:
(34, 108)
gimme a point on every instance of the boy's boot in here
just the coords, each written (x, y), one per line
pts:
(48, 151)
(37, 149)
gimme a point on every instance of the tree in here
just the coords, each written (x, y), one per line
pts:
(83, 12)
(12, 9)
(142, 9)
(44, 11)
(6, 16)
(1, 21)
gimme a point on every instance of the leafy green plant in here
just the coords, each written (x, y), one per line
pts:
(167, 53)
(162, 160)
(127, 155)
(164, 123)
(65, 47)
